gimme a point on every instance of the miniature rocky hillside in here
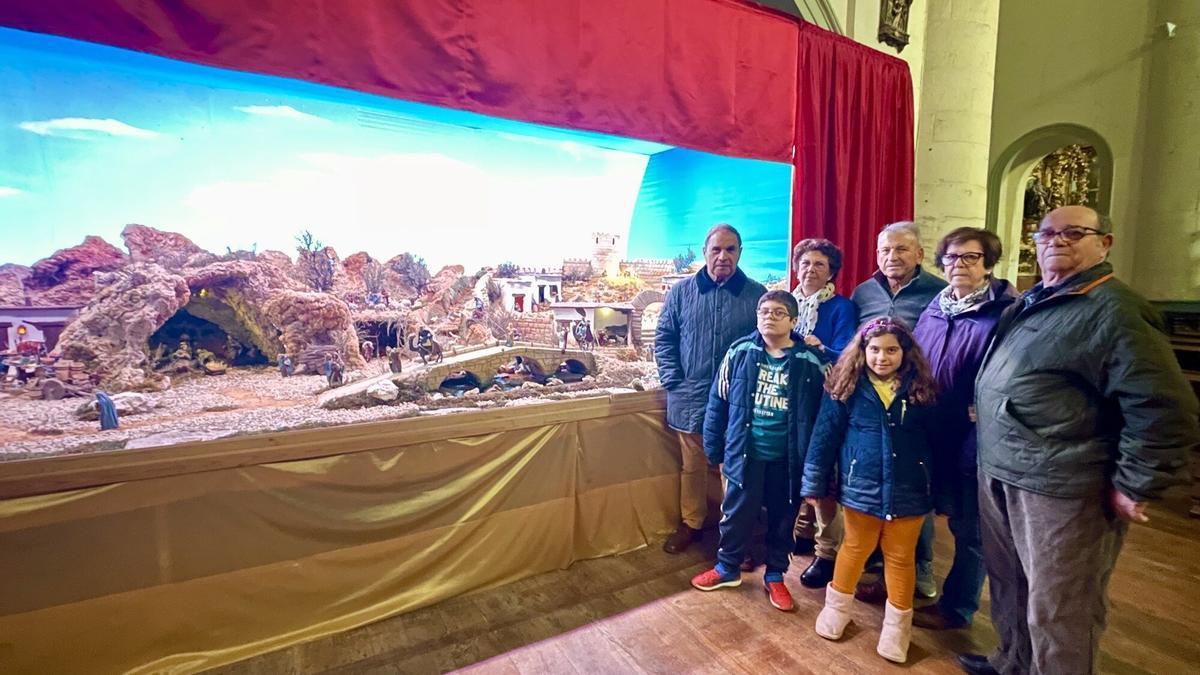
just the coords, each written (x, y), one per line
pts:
(603, 289)
(264, 302)
(64, 278)
(127, 298)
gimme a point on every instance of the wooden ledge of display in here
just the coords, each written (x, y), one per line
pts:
(24, 478)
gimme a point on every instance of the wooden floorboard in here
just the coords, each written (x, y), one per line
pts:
(635, 613)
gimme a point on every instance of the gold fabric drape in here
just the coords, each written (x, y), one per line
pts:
(186, 572)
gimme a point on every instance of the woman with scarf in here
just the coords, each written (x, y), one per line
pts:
(953, 332)
(828, 322)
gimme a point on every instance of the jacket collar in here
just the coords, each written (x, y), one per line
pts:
(868, 387)
(1003, 293)
(797, 341)
(797, 344)
(916, 281)
(1081, 283)
(735, 283)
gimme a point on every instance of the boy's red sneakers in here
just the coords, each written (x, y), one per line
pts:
(712, 580)
(780, 598)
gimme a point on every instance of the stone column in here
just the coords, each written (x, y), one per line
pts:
(954, 125)
(1167, 225)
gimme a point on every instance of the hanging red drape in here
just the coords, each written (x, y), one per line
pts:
(723, 76)
(714, 75)
(854, 147)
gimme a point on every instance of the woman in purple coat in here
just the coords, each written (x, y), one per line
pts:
(953, 332)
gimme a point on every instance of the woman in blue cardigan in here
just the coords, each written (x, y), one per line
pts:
(827, 322)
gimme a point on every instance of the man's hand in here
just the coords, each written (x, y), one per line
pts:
(816, 502)
(813, 341)
(1125, 507)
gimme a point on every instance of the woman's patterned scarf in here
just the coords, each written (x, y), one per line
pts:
(952, 306)
(806, 322)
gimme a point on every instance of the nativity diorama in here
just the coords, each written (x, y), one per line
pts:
(171, 342)
(363, 258)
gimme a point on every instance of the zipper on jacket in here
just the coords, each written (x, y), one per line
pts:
(928, 488)
(851, 474)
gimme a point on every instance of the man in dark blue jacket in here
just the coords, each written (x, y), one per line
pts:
(760, 415)
(701, 317)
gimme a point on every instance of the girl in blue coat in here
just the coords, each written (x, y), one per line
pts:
(873, 431)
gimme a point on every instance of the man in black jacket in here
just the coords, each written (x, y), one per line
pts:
(1083, 417)
(701, 317)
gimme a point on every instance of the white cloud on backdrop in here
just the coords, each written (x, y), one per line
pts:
(86, 127)
(280, 111)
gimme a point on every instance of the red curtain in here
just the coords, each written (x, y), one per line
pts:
(854, 147)
(715, 75)
(722, 76)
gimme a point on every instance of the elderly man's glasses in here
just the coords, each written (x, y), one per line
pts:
(967, 259)
(773, 313)
(1069, 235)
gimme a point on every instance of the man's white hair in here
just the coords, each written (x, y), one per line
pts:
(903, 227)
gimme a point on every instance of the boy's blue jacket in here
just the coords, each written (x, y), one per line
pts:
(882, 457)
(731, 406)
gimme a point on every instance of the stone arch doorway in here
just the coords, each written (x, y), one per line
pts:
(1010, 175)
(647, 305)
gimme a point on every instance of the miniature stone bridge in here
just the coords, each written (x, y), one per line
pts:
(482, 362)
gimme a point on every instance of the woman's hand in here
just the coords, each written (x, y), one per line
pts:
(814, 341)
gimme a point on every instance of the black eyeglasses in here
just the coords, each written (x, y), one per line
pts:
(1069, 235)
(774, 313)
(967, 259)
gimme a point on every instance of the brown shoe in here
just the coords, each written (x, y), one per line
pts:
(871, 592)
(681, 538)
(749, 564)
(931, 618)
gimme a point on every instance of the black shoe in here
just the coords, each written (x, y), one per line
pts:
(871, 592)
(804, 546)
(818, 574)
(976, 664)
(681, 538)
(931, 617)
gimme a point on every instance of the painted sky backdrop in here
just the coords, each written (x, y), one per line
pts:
(93, 138)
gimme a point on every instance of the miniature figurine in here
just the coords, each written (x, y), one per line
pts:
(427, 346)
(108, 411)
(334, 371)
(182, 359)
(583, 335)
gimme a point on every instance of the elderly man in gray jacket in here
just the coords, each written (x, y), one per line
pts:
(1084, 417)
(900, 288)
(701, 317)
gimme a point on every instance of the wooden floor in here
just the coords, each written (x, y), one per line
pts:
(636, 614)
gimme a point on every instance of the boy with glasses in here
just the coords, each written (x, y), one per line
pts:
(760, 414)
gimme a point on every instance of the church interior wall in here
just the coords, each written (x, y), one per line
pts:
(1079, 62)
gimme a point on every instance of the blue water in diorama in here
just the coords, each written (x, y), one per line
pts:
(93, 138)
